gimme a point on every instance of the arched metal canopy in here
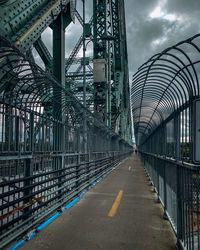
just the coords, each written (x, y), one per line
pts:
(162, 85)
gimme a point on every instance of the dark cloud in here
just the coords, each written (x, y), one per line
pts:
(188, 7)
(176, 21)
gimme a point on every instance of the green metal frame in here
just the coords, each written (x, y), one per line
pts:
(100, 28)
(23, 25)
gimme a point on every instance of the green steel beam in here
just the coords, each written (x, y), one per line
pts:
(24, 22)
(44, 54)
(120, 102)
(100, 28)
(58, 27)
(126, 128)
(76, 49)
(116, 33)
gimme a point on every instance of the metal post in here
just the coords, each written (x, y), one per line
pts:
(59, 73)
(31, 132)
(28, 190)
(180, 227)
(165, 192)
(177, 136)
(84, 84)
(158, 177)
(16, 133)
(109, 89)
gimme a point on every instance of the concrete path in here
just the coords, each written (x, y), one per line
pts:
(118, 213)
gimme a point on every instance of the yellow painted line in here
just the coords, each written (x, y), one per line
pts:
(115, 205)
(36, 23)
(129, 168)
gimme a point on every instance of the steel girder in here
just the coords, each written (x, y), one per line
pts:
(24, 22)
(44, 54)
(121, 118)
(100, 29)
(109, 18)
(38, 15)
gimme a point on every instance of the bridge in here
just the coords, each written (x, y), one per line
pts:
(66, 146)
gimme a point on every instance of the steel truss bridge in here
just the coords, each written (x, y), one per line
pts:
(165, 97)
(59, 129)
(62, 129)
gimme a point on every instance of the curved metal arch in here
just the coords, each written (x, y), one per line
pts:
(173, 63)
(172, 82)
(135, 97)
(174, 79)
(152, 91)
(161, 75)
(161, 82)
(167, 79)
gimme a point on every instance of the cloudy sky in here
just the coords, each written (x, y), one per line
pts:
(152, 25)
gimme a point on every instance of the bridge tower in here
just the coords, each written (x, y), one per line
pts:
(111, 91)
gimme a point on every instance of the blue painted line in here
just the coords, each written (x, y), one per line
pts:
(93, 184)
(19, 243)
(82, 194)
(48, 221)
(100, 179)
(69, 205)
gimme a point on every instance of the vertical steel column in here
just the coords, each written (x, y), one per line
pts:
(59, 49)
(84, 85)
(100, 14)
(59, 73)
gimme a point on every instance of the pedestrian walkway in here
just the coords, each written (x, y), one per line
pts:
(120, 212)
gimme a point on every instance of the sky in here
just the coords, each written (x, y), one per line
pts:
(153, 25)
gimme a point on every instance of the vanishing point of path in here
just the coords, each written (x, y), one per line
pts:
(119, 213)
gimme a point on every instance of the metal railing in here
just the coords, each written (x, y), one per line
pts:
(47, 156)
(178, 188)
(164, 92)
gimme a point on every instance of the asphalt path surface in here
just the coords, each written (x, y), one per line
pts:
(120, 212)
